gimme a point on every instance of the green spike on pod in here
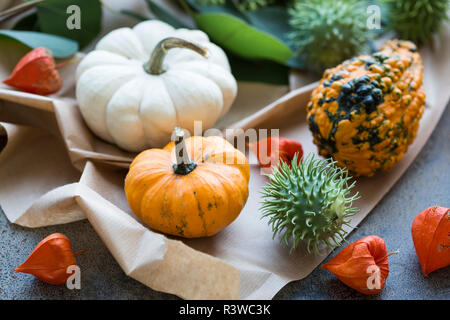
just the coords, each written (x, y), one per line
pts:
(297, 213)
(327, 32)
(417, 20)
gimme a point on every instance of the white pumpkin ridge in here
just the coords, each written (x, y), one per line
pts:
(125, 105)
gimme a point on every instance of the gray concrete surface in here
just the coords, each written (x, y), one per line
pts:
(426, 183)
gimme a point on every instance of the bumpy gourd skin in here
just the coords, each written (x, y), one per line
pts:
(366, 111)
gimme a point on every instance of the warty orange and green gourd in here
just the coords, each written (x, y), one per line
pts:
(366, 111)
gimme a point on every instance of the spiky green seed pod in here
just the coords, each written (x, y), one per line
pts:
(327, 32)
(417, 20)
(309, 202)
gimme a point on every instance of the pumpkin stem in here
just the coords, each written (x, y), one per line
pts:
(184, 164)
(155, 64)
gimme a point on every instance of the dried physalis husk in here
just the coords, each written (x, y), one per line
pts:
(36, 73)
(362, 265)
(271, 150)
(50, 259)
(431, 236)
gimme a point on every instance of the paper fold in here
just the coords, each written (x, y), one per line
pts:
(54, 170)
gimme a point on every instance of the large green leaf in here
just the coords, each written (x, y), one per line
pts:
(259, 34)
(60, 47)
(242, 69)
(52, 17)
(165, 16)
(272, 20)
(242, 39)
(28, 23)
(259, 71)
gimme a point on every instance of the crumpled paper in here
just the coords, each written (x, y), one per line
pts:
(54, 170)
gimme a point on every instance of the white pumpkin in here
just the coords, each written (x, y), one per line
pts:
(134, 89)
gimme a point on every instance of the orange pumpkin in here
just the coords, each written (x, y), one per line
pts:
(189, 198)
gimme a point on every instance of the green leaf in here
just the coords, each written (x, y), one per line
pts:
(165, 16)
(259, 71)
(272, 20)
(242, 39)
(60, 47)
(29, 23)
(52, 17)
(259, 34)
